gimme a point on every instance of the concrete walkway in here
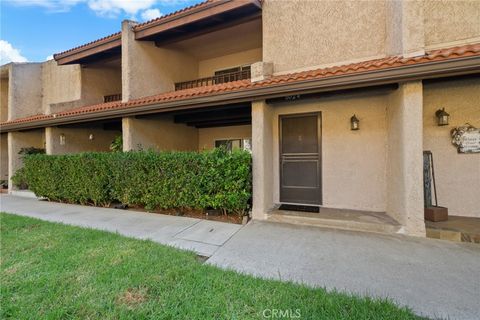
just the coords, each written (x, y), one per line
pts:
(435, 278)
(202, 236)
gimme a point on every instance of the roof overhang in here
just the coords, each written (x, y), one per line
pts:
(207, 17)
(105, 48)
(429, 70)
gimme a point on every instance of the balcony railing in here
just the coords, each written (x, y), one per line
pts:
(221, 78)
(112, 97)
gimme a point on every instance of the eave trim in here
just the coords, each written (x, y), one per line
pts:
(427, 70)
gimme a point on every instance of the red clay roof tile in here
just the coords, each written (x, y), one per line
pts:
(377, 64)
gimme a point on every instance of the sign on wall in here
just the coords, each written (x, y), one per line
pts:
(466, 138)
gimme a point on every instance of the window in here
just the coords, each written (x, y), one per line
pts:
(234, 144)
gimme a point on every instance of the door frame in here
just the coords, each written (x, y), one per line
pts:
(319, 141)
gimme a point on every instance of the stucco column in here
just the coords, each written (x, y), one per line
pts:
(4, 156)
(404, 157)
(128, 42)
(405, 28)
(262, 158)
(17, 141)
(128, 134)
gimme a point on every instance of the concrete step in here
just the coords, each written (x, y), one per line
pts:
(353, 220)
(456, 228)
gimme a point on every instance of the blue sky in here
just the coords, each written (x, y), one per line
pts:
(32, 30)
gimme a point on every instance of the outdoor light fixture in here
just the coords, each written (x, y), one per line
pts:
(442, 117)
(62, 139)
(354, 123)
(91, 137)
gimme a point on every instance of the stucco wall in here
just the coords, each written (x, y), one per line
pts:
(149, 70)
(159, 133)
(207, 68)
(448, 21)
(24, 90)
(353, 162)
(98, 82)
(4, 156)
(207, 136)
(457, 175)
(17, 141)
(3, 99)
(60, 84)
(299, 34)
(77, 139)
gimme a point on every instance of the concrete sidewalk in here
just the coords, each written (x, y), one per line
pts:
(435, 278)
(202, 236)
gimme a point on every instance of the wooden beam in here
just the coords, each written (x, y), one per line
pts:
(213, 9)
(219, 122)
(223, 124)
(201, 31)
(88, 51)
(214, 115)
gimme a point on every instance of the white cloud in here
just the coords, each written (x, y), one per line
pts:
(50, 57)
(9, 54)
(112, 8)
(150, 14)
(50, 5)
(104, 8)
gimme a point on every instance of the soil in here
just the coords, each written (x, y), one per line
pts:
(193, 213)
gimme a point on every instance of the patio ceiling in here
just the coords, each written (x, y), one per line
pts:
(217, 116)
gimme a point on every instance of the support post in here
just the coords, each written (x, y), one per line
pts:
(262, 159)
(404, 157)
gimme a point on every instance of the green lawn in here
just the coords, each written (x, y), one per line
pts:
(53, 271)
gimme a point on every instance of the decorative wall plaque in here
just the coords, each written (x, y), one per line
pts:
(466, 138)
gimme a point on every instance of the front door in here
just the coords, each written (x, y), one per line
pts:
(300, 161)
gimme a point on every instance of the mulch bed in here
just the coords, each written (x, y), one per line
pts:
(193, 213)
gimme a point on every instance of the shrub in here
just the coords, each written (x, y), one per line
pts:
(157, 180)
(31, 150)
(117, 144)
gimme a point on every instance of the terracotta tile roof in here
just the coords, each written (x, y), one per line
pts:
(173, 14)
(118, 35)
(371, 65)
(108, 38)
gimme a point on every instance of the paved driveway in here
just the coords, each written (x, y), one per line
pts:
(435, 278)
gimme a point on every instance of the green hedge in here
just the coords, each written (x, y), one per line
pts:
(157, 180)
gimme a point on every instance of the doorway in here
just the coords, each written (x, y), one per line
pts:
(300, 158)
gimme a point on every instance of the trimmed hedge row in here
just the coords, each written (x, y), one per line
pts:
(157, 180)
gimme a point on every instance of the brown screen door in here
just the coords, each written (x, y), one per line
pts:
(300, 167)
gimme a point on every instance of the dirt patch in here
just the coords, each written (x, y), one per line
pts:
(201, 259)
(132, 297)
(193, 213)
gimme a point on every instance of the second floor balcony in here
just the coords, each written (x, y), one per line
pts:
(222, 76)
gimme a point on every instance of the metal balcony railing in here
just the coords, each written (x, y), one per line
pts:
(112, 97)
(221, 78)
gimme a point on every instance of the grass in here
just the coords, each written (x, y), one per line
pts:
(53, 271)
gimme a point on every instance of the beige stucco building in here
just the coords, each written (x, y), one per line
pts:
(284, 79)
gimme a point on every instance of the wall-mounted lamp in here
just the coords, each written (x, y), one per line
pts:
(91, 137)
(442, 117)
(354, 123)
(62, 139)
